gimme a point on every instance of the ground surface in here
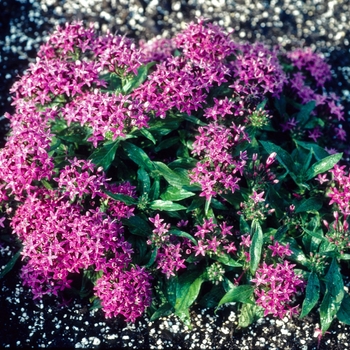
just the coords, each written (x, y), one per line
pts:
(24, 24)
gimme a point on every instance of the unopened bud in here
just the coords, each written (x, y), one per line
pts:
(271, 158)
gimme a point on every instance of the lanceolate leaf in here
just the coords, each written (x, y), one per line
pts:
(318, 151)
(256, 246)
(309, 204)
(9, 266)
(165, 205)
(176, 194)
(248, 314)
(187, 291)
(226, 260)
(105, 155)
(240, 294)
(138, 226)
(144, 182)
(343, 314)
(312, 294)
(122, 198)
(137, 155)
(170, 175)
(323, 165)
(184, 234)
(165, 310)
(304, 113)
(333, 297)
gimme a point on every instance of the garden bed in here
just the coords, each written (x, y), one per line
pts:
(46, 323)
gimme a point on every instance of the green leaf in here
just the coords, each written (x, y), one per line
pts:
(280, 105)
(217, 204)
(333, 297)
(304, 113)
(138, 226)
(312, 294)
(344, 257)
(248, 314)
(171, 286)
(187, 290)
(281, 231)
(163, 127)
(225, 259)
(212, 298)
(240, 294)
(165, 205)
(137, 80)
(167, 143)
(105, 155)
(185, 163)
(46, 184)
(170, 175)
(9, 266)
(175, 194)
(243, 225)
(152, 258)
(154, 191)
(297, 253)
(193, 119)
(165, 310)
(143, 181)
(184, 234)
(114, 82)
(148, 135)
(283, 156)
(314, 234)
(256, 246)
(323, 165)
(309, 204)
(138, 156)
(122, 198)
(207, 205)
(318, 151)
(343, 313)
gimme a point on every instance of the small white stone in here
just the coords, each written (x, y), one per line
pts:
(95, 341)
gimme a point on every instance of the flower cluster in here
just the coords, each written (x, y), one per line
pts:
(274, 287)
(213, 239)
(124, 292)
(340, 192)
(216, 172)
(169, 250)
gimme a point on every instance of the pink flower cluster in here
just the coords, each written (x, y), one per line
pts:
(340, 192)
(216, 170)
(64, 231)
(109, 116)
(275, 285)
(257, 72)
(169, 249)
(213, 239)
(25, 159)
(124, 292)
(308, 82)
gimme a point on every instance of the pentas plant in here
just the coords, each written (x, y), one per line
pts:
(192, 170)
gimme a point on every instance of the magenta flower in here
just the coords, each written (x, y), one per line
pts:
(257, 197)
(275, 287)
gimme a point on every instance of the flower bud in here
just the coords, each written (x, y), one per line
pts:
(271, 159)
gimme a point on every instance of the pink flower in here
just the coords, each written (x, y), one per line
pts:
(257, 197)
(2, 221)
(322, 178)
